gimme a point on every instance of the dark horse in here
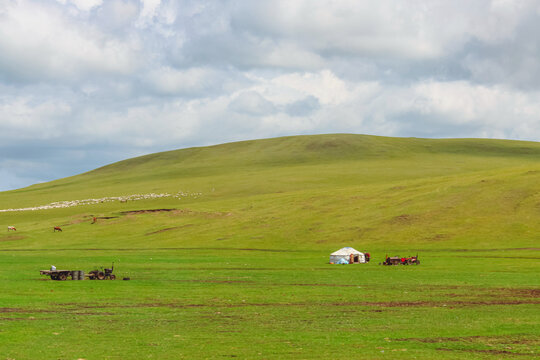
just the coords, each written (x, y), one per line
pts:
(57, 228)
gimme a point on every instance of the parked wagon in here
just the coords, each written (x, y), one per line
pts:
(61, 275)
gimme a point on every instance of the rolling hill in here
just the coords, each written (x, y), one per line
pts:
(227, 251)
(297, 192)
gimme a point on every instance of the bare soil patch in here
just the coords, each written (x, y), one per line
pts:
(404, 219)
(438, 237)
(12, 238)
(449, 304)
(217, 281)
(177, 212)
(168, 229)
(481, 250)
(166, 249)
(24, 311)
(10, 310)
(502, 257)
(518, 339)
(490, 352)
(393, 304)
(149, 211)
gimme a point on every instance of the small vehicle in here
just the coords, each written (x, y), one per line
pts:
(412, 260)
(396, 260)
(102, 275)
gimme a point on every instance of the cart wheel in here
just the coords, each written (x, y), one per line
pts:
(113, 277)
(53, 277)
(62, 277)
(100, 275)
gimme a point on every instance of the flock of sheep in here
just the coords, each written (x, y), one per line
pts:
(66, 204)
(135, 197)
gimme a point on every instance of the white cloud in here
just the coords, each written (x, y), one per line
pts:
(40, 42)
(86, 5)
(119, 14)
(252, 103)
(191, 82)
(498, 111)
(23, 118)
(324, 85)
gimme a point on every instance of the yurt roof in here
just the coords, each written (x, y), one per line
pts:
(346, 251)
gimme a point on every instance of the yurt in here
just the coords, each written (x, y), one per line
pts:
(348, 254)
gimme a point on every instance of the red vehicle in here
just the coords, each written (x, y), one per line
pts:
(396, 260)
(412, 260)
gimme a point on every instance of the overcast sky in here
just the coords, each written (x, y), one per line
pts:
(84, 83)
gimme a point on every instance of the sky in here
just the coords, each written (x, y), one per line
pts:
(84, 83)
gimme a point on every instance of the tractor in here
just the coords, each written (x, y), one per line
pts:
(396, 260)
(102, 275)
(412, 260)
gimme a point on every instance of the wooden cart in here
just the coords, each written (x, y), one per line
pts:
(57, 274)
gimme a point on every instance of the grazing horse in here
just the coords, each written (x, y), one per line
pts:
(9, 228)
(57, 228)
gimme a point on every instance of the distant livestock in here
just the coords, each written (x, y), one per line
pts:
(9, 228)
(57, 228)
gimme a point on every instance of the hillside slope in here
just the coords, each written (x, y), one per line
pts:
(298, 192)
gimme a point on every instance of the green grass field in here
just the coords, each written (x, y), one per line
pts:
(236, 265)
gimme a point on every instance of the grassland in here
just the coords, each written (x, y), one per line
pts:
(237, 267)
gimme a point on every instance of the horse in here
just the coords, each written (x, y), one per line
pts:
(9, 228)
(57, 228)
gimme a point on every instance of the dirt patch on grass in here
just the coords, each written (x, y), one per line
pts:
(524, 292)
(404, 219)
(178, 212)
(325, 145)
(490, 352)
(10, 310)
(12, 238)
(216, 281)
(24, 318)
(166, 249)
(522, 340)
(25, 311)
(149, 211)
(77, 221)
(437, 237)
(168, 229)
(448, 304)
(501, 257)
(397, 304)
(318, 285)
(481, 250)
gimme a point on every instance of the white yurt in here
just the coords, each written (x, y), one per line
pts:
(348, 254)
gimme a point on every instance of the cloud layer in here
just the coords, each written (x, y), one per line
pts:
(85, 83)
